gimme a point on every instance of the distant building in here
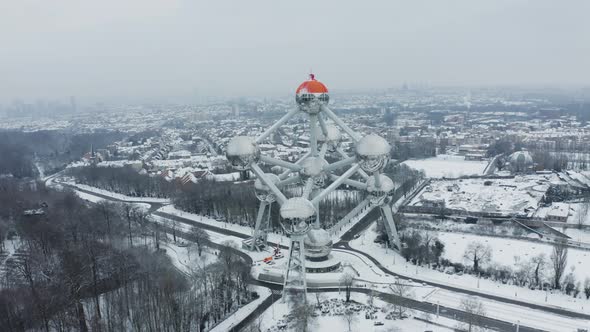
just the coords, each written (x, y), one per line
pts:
(521, 162)
(558, 212)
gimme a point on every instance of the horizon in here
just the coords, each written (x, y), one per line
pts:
(179, 49)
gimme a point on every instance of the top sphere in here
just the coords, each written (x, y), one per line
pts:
(311, 94)
(241, 151)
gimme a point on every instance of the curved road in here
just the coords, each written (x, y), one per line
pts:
(343, 245)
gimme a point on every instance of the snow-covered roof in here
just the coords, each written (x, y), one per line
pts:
(559, 210)
(318, 237)
(372, 145)
(297, 208)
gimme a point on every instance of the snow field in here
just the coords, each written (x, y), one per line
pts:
(447, 166)
(397, 264)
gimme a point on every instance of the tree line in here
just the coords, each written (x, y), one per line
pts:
(100, 267)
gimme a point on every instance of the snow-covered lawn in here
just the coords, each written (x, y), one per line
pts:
(512, 313)
(88, 197)
(397, 264)
(275, 315)
(447, 166)
(504, 251)
(246, 230)
(187, 258)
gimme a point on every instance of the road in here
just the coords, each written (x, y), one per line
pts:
(343, 245)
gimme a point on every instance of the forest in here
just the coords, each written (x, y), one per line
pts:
(100, 267)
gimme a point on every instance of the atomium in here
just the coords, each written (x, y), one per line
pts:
(299, 215)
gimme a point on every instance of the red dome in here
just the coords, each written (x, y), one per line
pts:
(312, 86)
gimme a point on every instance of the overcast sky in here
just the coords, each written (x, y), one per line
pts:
(163, 49)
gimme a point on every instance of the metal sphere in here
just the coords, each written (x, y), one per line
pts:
(313, 167)
(241, 152)
(333, 137)
(311, 95)
(372, 153)
(297, 214)
(262, 191)
(318, 244)
(379, 194)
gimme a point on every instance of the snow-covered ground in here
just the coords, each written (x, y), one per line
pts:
(244, 311)
(187, 258)
(500, 196)
(512, 313)
(447, 166)
(88, 197)
(246, 230)
(275, 315)
(504, 251)
(397, 264)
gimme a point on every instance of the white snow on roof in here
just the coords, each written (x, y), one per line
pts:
(297, 208)
(372, 145)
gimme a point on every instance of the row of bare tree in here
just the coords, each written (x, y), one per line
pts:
(98, 267)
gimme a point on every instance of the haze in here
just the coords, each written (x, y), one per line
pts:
(147, 49)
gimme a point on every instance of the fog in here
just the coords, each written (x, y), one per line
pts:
(149, 49)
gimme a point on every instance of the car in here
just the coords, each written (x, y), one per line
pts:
(378, 323)
(356, 236)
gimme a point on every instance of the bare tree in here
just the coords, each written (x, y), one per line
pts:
(558, 261)
(538, 263)
(583, 213)
(350, 318)
(401, 290)
(303, 314)
(478, 254)
(200, 236)
(474, 311)
(347, 280)
(319, 297)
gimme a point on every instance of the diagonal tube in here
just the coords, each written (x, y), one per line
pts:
(260, 174)
(355, 137)
(335, 184)
(275, 126)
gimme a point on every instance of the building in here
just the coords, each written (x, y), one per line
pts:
(521, 162)
(558, 212)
